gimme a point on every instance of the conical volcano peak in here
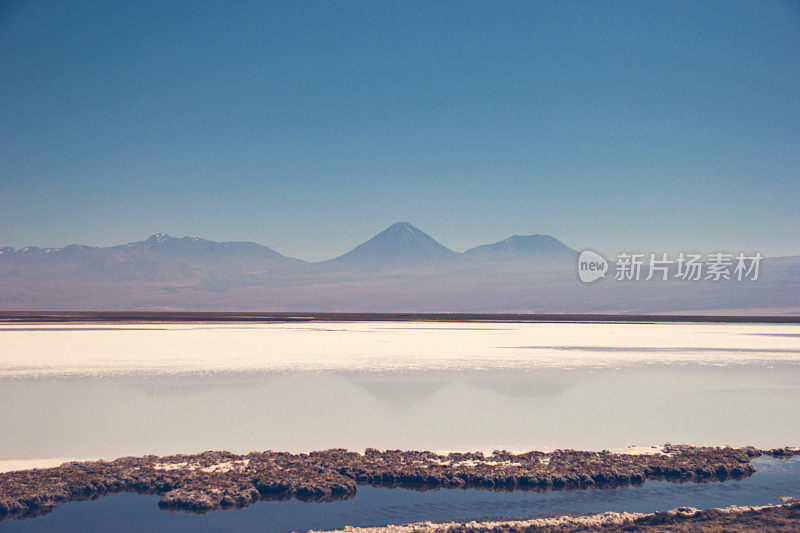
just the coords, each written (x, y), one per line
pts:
(398, 246)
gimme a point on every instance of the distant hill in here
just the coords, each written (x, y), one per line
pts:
(164, 246)
(524, 247)
(159, 256)
(398, 247)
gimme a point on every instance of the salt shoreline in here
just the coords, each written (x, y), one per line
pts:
(178, 349)
(784, 517)
(11, 465)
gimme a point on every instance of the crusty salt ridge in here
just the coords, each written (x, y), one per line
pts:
(640, 450)
(589, 523)
(213, 480)
(602, 519)
(9, 465)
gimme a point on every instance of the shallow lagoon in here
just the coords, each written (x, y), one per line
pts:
(582, 409)
(108, 391)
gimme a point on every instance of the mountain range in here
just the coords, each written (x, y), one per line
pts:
(399, 247)
(401, 269)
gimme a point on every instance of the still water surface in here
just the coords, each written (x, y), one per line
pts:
(582, 409)
(107, 391)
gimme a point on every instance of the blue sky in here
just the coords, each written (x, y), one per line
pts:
(311, 126)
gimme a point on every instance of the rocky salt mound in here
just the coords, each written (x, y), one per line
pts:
(213, 480)
(783, 518)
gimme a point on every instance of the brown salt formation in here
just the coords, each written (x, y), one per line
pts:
(773, 518)
(213, 480)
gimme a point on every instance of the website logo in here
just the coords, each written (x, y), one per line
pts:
(591, 266)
